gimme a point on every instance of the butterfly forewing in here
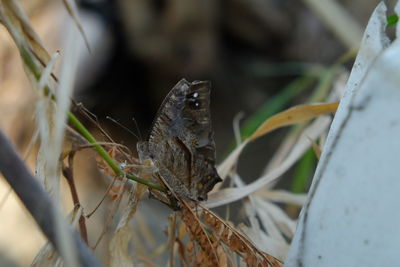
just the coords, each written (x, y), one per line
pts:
(181, 142)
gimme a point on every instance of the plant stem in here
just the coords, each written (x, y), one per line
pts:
(103, 153)
(68, 173)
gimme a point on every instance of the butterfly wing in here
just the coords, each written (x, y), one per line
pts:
(181, 141)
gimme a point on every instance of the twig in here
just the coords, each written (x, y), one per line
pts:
(103, 198)
(68, 173)
(37, 201)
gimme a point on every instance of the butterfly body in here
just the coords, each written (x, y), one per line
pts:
(181, 144)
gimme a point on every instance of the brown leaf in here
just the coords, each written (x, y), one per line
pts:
(293, 115)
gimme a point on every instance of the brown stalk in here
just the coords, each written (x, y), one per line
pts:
(69, 176)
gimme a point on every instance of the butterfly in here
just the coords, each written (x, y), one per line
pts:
(181, 144)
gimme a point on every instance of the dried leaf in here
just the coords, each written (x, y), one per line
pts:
(229, 195)
(288, 117)
(293, 115)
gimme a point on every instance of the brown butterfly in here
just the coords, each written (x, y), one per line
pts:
(181, 144)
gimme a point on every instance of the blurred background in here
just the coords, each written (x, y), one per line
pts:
(262, 56)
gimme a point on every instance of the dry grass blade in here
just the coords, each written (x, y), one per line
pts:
(46, 73)
(171, 239)
(338, 19)
(225, 167)
(264, 218)
(30, 47)
(72, 11)
(293, 115)
(51, 122)
(47, 257)
(21, 24)
(228, 195)
(290, 116)
(282, 196)
(119, 253)
(280, 221)
(112, 213)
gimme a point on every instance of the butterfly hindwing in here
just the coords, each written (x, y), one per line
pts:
(181, 142)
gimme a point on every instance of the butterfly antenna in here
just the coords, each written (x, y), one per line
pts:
(92, 118)
(123, 127)
(137, 129)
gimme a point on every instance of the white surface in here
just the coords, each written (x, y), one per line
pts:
(351, 218)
